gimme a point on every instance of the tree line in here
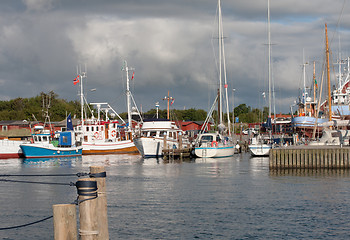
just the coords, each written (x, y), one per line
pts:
(35, 108)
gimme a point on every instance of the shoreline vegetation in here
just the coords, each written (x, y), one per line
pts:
(32, 109)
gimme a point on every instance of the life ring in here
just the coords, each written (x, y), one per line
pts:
(113, 133)
(214, 142)
(96, 135)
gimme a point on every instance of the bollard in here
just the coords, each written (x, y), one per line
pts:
(65, 222)
(102, 217)
(87, 191)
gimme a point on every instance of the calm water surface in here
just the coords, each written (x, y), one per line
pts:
(229, 198)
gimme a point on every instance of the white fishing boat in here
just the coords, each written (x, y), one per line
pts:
(107, 136)
(156, 135)
(217, 144)
(261, 145)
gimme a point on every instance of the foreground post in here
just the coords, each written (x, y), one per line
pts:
(65, 221)
(102, 218)
(87, 191)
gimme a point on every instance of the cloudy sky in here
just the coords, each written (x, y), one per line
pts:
(171, 44)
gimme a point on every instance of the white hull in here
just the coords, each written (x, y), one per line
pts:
(152, 147)
(260, 149)
(215, 152)
(10, 149)
(124, 146)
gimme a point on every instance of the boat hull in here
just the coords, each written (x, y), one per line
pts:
(37, 151)
(214, 152)
(109, 148)
(307, 122)
(260, 149)
(152, 147)
(10, 149)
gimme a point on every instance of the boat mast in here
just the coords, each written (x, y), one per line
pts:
(81, 76)
(314, 82)
(126, 68)
(304, 77)
(225, 75)
(328, 78)
(220, 67)
(269, 45)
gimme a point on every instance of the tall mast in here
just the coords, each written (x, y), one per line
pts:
(314, 82)
(81, 76)
(128, 102)
(304, 77)
(225, 76)
(328, 78)
(269, 45)
(220, 56)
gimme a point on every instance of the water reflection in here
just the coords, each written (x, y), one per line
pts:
(51, 162)
(310, 172)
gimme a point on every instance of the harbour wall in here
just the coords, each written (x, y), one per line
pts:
(310, 157)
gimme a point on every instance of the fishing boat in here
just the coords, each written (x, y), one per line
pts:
(340, 96)
(107, 136)
(46, 143)
(155, 135)
(11, 149)
(219, 144)
(307, 114)
(260, 145)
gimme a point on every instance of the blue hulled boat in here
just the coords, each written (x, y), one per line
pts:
(47, 144)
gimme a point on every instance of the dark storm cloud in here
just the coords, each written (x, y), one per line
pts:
(169, 43)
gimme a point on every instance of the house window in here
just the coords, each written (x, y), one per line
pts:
(4, 128)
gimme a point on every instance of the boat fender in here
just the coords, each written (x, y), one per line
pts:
(214, 142)
(58, 151)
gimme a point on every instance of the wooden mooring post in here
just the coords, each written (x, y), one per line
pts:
(92, 200)
(102, 218)
(310, 157)
(65, 221)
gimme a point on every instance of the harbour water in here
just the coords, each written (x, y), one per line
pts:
(228, 198)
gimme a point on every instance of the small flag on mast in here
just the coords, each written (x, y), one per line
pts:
(76, 80)
(316, 83)
(133, 74)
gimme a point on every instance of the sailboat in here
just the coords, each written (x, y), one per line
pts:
(260, 146)
(106, 136)
(217, 144)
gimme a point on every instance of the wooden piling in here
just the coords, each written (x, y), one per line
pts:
(102, 217)
(65, 221)
(87, 209)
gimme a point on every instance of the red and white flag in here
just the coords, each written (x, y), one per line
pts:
(76, 80)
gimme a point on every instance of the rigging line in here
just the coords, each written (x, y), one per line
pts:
(337, 25)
